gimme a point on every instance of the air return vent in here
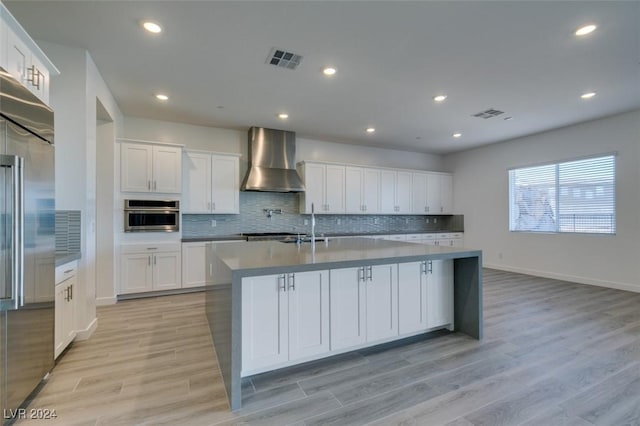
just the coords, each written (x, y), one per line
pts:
(284, 59)
(490, 113)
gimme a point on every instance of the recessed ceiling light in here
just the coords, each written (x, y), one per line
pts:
(162, 97)
(152, 27)
(585, 29)
(283, 116)
(370, 129)
(508, 118)
(457, 135)
(588, 95)
(440, 98)
(329, 71)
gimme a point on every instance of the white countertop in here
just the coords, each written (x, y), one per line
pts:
(265, 255)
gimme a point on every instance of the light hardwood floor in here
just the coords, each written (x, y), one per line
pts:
(554, 353)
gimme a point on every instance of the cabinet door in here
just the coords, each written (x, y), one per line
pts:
(167, 270)
(39, 87)
(69, 327)
(18, 57)
(419, 193)
(334, 189)
(382, 301)
(412, 297)
(354, 190)
(194, 265)
(348, 308)
(403, 192)
(446, 194)
(308, 313)
(136, 167)
(60, 302)
(439, 293)
(135, 273)
(197, 193)
(265, 333)
(371, 191)
(387, 191)
(224, 184)
(167, 169)
(314, 182)
(433, 193)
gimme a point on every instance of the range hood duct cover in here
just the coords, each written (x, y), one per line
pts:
(272, 166)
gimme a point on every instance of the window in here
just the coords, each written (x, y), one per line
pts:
(572, 196)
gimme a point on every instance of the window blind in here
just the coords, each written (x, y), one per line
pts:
(571, 196)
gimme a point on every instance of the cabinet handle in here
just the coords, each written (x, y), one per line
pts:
(67, 271)
(155, 185)
(423, 268)
(365, 207)
(148, 260)
(361, 278)
(149, 185)
(71, 292)
(66, 297)
(292, 282)
(152, 248)
(441, 209)
(155, 260)
(213, 206)
(282, 285)
(370, 273)
(430, 267)
(33, 76)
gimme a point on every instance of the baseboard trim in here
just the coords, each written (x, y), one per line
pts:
(566, 277)
(87, 332)
(105, 301)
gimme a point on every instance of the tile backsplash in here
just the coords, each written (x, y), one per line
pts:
(253, 218)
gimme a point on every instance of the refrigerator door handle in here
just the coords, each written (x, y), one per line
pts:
(16, 164)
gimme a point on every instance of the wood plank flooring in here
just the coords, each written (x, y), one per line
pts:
(554, 353)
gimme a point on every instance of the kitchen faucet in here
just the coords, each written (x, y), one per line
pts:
(313, 225)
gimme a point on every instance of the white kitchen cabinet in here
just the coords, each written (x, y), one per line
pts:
(194, 263)
(412, 297)
(395, 192)
(211, 183)
(439, 193)
(439, 293)
(285, 317)
(362, 190)
(146, 268)
(64, 327)
(22, 58)
(419, 182)
(146, 167)
(325, 188)
(363, 305)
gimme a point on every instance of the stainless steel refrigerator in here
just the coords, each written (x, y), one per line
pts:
(27, 239)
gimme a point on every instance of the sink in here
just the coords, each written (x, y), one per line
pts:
(303, 240)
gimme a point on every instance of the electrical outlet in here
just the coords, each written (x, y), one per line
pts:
(338, 221)
(306, 221)
(375, 221)
(213, 223)
(426, 220)
(435, 220)
(406, 220)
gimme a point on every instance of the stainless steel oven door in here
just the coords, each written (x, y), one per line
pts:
(151, 221)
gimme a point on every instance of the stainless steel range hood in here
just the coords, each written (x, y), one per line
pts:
(272, 166)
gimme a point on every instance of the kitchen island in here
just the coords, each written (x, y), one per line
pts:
(271, 304)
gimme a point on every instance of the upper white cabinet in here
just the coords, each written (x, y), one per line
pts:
(362, 190)
(325, 188)
(395, 194)
(22, 58)
(147, 167)
(432, 193)
(211, 183)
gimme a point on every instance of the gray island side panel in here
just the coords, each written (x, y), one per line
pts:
(229, 263)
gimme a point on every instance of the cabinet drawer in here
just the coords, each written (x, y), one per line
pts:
(150, 248)
(66, 271)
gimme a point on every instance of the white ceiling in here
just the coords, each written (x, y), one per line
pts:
(520, 57)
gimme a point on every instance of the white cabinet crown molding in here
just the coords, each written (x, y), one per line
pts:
(125, 140)
(202, 151)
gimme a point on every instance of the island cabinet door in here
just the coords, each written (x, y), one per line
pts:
(265, 317)
(382, 301)
(439, 293)
(347, 295)
(308, 313)
(412, 297)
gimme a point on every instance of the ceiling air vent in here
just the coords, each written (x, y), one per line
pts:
(284, 59)
(490, 113)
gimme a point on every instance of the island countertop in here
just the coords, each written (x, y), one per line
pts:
(264, 257)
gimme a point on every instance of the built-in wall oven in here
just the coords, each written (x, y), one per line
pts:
(151, 215)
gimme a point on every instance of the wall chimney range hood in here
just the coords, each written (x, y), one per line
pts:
(272, 166)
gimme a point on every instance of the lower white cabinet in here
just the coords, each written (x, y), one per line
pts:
(150, 268)
(425, 295)
(64, 328)
(364, 306)
(285, 317)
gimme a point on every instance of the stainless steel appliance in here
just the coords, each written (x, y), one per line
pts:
(272, 165)
(27, 240)
(151, 215)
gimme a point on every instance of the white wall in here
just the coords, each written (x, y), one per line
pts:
(481, 194)
(235, 141)
(73, 98)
